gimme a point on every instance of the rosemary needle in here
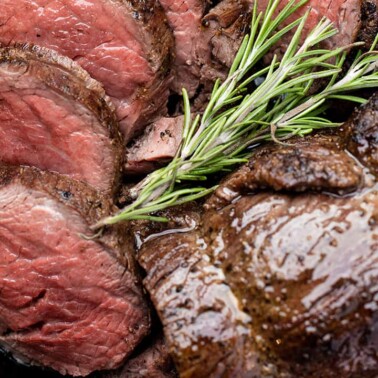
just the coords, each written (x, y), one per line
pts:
(217, 140)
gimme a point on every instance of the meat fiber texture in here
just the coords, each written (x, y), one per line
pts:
(55, 117)
(277, 277)
(345, 15)
(66, 302)
(125, 45)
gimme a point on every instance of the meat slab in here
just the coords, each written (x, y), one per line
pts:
(66, 302)
(54, 116)
(125, 45)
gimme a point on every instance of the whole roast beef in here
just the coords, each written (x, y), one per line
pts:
(125, 45)
(54, 116)
(68, 301)
(278, 276)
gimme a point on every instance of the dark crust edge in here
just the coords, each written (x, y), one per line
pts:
(69, 79)
(85, 200)
(159, 51)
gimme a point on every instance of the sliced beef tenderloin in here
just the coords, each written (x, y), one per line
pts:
(158, 144)
(345, 14)
(125, 45)
(55, 117)
(67, 302)
(206, 40)
(292, 237)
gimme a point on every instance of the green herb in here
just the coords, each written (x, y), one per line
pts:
(235, 119)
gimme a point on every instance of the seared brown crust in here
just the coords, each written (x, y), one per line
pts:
(76, 194)
(206, 332)
(159, 53)
(64, 76)
(300, 261)
(362, 133)
(369, 22)
(315, 163)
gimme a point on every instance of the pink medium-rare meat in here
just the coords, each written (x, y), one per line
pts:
(345, 14)
(125, 45)
(159, 143)
(54, 116)
(65, 302)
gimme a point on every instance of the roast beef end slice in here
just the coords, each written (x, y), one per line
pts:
(55, 117)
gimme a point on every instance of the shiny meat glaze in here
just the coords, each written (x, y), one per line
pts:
(66, 302)
(54, 116)
(304, 270)
(298, 269)
(125, 45)
(206, 331)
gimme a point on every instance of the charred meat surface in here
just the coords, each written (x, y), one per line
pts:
(369, 21)
(54, 116)
(319, 163)
(125, 45)
(66, 302)
(292, 237)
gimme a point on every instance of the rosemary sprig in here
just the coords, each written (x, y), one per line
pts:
(279, 108)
